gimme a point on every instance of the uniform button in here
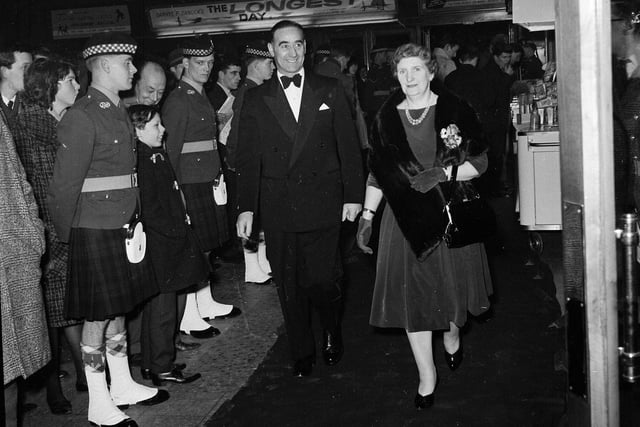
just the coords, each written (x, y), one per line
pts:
(202, 118)
(115, 140)
(636, 117)
(633, 137)
(198, 159)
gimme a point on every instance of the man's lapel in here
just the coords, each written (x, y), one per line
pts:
(277, 102)
(308, 110)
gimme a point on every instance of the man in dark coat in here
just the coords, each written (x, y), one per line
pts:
(298, 163)
(223, 91)
(496, 117)
(466, 81)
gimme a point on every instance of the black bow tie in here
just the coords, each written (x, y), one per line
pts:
(296, 80)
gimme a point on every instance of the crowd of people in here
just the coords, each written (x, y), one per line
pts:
(120, 194)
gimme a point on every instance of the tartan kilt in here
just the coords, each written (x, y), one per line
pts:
(103, 283)
(208, 220)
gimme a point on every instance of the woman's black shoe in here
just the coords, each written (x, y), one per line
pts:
(454, 360)
(424, 402)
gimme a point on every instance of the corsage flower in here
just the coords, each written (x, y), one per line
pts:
(451, 136)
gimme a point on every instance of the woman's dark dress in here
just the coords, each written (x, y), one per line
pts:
(425, 296)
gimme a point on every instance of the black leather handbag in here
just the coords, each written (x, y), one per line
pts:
(470, 218)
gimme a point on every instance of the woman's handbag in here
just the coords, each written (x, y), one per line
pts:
(471, 219)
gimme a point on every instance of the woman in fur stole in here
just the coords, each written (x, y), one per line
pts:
(422, 285)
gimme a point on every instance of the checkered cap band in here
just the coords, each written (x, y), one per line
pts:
(257, 52)
(109, 49)
(197, 52)
(323, 52)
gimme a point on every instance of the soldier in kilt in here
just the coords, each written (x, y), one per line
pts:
(190, 121)
(93, 199)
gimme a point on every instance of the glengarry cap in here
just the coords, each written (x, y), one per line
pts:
(198, 46)
(109, 43)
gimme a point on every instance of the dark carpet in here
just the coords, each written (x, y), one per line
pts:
(511, 374)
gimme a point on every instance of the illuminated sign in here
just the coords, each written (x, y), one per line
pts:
(223, 17)
(83, 22)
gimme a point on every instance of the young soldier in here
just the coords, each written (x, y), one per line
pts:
(191, 144)
(93, 198)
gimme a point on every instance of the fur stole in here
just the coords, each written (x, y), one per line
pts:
(420, 216)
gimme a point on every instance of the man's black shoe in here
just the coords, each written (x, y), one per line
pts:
(332, 348)
(174, 376)
(303, 367)
(146, 373)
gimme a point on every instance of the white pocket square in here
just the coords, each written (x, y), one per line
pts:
(323, 107)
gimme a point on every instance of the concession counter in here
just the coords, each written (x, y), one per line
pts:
(539, 186)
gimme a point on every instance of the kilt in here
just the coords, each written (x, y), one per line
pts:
(208, 220)
(103, 283)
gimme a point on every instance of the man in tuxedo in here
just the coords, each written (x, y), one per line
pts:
(299, 167)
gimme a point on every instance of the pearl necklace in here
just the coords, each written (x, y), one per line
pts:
(416, 122)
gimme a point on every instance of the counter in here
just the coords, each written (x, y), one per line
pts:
(539, 188)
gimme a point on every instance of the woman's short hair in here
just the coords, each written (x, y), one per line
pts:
(140, 114)
(412, 50)
(41, 80)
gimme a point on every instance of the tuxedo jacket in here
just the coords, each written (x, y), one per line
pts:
(298, 174)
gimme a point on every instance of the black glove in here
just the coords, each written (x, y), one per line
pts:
(363, 235)
(427, 179)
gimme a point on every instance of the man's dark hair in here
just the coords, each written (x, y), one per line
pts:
(501, 47)
(7, 56)
(468, 52)
(285, 24)
(338, 50)
(224, 63)
(446, 39)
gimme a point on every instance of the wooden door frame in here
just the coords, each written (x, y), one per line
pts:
(583, 37)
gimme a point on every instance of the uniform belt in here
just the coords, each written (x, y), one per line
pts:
(198, 146)
(106, 183)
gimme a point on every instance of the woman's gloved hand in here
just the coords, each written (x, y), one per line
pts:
(364, 234)
(427, 179)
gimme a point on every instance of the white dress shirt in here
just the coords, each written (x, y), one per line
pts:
(293, 93)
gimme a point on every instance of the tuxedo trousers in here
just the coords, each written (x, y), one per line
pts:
(307, 270)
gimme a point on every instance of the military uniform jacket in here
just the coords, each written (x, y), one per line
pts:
(301, 172)
(96, 140)
(189, 117)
